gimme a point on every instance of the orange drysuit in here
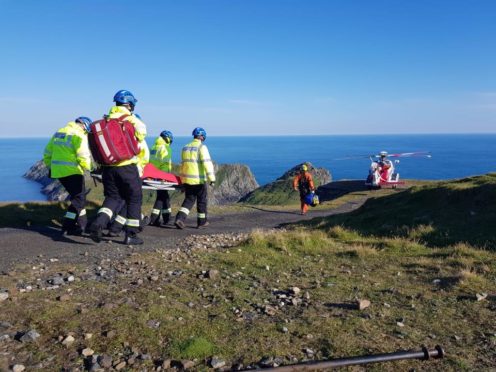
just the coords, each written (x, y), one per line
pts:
(303, 182)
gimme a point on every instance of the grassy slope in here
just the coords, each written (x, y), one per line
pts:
(279, 192)
(437, 214)
(383, 253)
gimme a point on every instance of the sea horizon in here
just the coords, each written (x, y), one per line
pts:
(454, 156)
(300, 135)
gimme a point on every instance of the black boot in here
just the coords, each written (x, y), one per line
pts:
(95, 231)
(180, 218)
(201, 223)
(133, 239)
(165, 218)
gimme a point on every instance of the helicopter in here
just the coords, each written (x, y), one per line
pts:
(383, 171)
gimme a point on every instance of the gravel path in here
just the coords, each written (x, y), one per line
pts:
(26, 246)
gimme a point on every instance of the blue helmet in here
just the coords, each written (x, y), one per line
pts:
(167, 134)
(125, 96)
(85, 121)
(199, 132)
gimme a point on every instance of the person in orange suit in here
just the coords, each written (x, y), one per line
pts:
(303, 182)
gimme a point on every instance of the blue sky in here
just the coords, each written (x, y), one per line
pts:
(258, 67)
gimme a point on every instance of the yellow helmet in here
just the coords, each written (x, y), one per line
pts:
(304, 167)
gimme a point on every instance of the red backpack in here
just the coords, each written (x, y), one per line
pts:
(113, 140)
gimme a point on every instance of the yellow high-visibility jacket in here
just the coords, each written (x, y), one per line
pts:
(161, 155)
(140, 133)
(196, 166)
(67, 153)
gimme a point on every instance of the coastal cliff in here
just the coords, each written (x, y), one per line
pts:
(233, 182)
(52, 188)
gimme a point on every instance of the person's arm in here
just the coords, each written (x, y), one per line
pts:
(143, 156)
(310, 182)
(47, 154)
(83, 153)
(295, 182)
(207, 163)
(169, 160)
(140, 134)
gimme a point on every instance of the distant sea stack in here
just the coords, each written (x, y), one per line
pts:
(281, 190)
(233, 182)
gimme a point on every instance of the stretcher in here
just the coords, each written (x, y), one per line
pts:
(153, 179)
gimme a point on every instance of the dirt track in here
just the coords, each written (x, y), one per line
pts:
(24, 246)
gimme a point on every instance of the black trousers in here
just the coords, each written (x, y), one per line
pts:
(194, 194)
(121, 183)
(118, 221)
(76, 188)
(162, 203)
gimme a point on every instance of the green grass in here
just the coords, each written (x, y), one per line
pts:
(200, 318)
(437, 214)
(279, 192)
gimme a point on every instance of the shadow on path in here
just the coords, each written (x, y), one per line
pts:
(269, 210)
(334, 190)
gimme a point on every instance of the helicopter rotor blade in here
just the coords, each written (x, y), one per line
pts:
(354, 157)
(426, 154)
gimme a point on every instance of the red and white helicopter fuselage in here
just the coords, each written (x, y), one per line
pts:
(382, 172)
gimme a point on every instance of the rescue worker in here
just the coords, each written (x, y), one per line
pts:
(303, 182)
(118, 222)
(121, 181)
(161, 158)
(67, 156)
(196, 170)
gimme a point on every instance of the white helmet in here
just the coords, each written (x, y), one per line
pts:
(383, 154)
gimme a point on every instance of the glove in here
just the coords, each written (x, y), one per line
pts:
(212, 183)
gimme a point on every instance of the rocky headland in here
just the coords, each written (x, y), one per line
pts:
(235, 182)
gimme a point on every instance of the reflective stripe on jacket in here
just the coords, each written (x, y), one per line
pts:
(140, 133)
(67, 152)
(196, 166)
(161, 155)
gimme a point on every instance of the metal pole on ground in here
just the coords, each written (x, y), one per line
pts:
(424, 354)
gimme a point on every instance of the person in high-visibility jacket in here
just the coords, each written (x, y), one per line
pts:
(121, 181)
(118, 223)
(67, 156)
(197, 171)
(161, 158)
(303, 182)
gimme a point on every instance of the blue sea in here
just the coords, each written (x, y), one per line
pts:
(453, 156)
